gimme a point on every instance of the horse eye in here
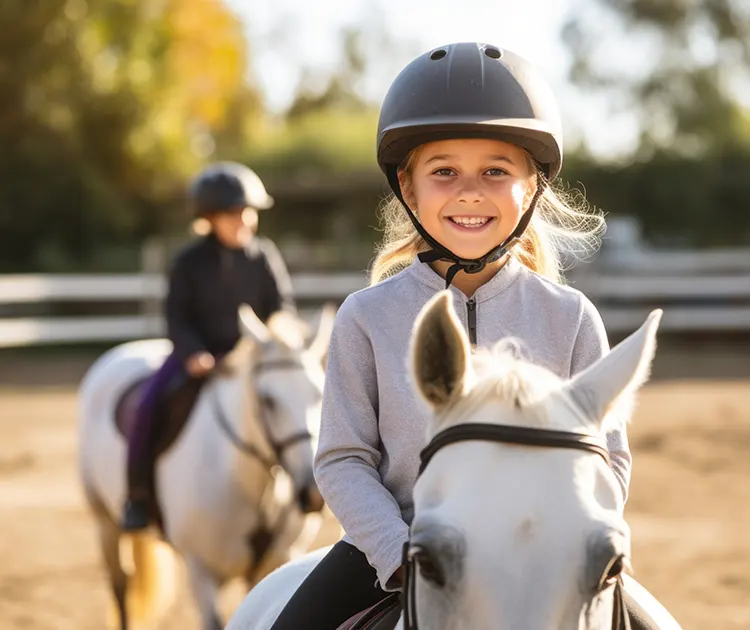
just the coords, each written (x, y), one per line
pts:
(616, 567)
(429, 567)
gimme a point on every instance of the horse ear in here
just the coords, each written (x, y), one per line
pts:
(319, 345)
(617, 376)
(251, 326)
(439, 352)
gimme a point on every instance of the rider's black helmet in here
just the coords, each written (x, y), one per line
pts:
(227, 187)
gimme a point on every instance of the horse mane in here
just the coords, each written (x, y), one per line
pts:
(502, 374)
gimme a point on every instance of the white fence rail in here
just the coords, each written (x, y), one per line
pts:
(136, 288)
(719, 303)
(106, 287)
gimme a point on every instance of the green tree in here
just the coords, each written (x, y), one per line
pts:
(108, 106)
(693, 55)
(339, 93)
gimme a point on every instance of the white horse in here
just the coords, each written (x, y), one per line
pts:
(507, 535)
(236, 483)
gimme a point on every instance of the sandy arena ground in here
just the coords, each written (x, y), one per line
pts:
(689, 508)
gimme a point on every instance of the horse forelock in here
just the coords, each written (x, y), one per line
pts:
(288, 330)
(288, 334)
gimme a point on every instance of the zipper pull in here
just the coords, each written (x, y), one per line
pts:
(471, 309)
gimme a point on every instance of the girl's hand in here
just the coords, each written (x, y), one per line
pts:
(200, 364)
(397, 579)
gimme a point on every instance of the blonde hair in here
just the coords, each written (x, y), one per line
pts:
(562, 222)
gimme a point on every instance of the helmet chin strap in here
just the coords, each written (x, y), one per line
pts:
(440, 252)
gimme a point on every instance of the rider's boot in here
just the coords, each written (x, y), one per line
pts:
(136, 515)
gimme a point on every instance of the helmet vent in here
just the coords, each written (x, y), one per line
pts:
(438, 54)
(492, 52)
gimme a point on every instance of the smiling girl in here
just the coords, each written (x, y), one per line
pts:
(469, 138)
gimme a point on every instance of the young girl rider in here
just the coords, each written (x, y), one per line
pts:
(208, 281)
(469, 139)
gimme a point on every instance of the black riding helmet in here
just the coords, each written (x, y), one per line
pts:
(227, 187)
(469, 90)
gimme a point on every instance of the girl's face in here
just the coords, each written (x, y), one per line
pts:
(234, 229)
(469, 194)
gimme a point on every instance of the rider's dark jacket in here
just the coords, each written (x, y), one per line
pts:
(207, 284)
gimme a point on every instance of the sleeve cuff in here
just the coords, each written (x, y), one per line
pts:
(386, 571)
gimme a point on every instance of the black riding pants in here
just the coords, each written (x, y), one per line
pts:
(343, 584)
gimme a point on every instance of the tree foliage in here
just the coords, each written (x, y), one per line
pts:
(696, 201)
(107, 106)
(693, 59)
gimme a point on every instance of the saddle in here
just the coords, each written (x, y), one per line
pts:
(171, 411)
(382, 616)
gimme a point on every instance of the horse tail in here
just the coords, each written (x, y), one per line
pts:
(152, 572)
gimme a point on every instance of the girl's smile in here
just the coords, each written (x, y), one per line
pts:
(470, 224)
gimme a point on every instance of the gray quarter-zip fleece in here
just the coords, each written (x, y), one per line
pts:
(373, 425)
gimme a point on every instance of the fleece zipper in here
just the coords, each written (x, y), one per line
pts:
(471, 311)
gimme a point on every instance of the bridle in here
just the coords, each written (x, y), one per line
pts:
(505, 434)
(262, 537)
(278, 447)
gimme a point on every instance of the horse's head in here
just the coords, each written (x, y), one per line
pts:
(283, 376)
(512, 536)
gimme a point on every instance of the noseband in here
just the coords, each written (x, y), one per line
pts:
(505, 434)
(247, 447)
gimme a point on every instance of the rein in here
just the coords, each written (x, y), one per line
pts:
(505, 434)
(246, 447)
(261, 539)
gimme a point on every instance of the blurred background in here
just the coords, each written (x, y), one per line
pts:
(108, 108)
